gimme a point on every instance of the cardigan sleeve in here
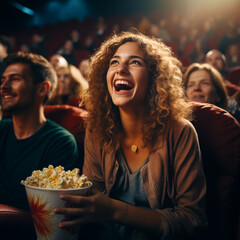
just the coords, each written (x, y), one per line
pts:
(188, 186)
(93, 166)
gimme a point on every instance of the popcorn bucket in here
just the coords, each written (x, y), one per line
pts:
(42, 202)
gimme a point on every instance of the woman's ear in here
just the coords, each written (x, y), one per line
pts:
(44, 88)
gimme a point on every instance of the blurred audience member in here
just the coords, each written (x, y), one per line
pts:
(233, 56)
(182, 42)
(58, 61)
(5, 49)
(70, 86)
(164, 34)
(229, 38)
(116, 28)
(89, 43)
(38, 44)
(199, 51)
(101, 28)
(234, 105)
(208, 27)
(76, 39)
(24, 47)
(203, 83)
(83, 67)
(218, 60)
(67, 52)
(154, 30)
(144, 25)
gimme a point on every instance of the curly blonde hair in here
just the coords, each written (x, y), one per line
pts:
(165, 100)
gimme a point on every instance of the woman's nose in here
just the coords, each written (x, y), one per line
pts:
(60, 79)
(122, 68)
(197, 87)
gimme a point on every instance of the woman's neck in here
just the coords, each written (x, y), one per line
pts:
(132, 122)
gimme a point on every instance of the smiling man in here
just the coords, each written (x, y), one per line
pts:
(29, 141)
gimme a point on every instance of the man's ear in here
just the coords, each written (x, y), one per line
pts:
(44, 88)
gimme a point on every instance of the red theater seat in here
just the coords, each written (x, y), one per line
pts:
(219, 137)
(234, 76)
(80, 55)
(15, 224)
(71, 118)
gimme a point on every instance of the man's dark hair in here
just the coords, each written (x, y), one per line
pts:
(41, 69)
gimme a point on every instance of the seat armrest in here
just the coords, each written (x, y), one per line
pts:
(15, 223)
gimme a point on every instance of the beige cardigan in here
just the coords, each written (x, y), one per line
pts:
(173, 178)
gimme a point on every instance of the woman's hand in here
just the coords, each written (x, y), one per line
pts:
(87, 209)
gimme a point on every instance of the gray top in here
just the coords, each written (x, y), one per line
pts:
(128, 188)
(129, 185)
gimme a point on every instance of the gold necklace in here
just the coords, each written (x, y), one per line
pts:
(134, 148)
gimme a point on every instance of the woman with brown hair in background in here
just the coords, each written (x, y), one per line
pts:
(203, 83)
(71, 84)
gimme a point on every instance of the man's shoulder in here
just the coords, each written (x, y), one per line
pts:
(57, 131)
(6, 128)
(51, 125)
(5, 122)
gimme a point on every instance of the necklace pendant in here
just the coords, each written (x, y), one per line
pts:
(134, 148)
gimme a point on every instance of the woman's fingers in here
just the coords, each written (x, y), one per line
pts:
(84, 209)
(70, 211)
(75, 205)
(75, 222)
(77, 200)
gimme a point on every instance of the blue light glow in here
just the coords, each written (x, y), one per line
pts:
(22, 8)
(56, 10)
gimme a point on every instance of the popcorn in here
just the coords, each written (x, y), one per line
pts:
(57, 178)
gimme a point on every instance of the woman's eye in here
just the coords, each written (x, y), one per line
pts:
(135, 62)
(113, 62)
(206, 83)
(190, 85)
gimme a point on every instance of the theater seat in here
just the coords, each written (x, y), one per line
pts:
(15, 224)
(219, 137)
(71, 118)
(234, 76)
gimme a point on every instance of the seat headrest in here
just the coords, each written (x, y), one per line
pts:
(219, 137)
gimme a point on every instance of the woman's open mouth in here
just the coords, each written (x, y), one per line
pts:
(123, 85)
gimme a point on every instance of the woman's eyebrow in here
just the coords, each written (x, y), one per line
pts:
(131, 57)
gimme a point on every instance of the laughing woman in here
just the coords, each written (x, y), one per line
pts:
(141, 152)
